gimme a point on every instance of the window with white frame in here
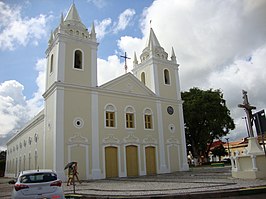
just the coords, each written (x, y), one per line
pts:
(166, 76)
(148, 124)
(130, 117)
(78, 59)
(51, 63)
(110, 116)
(143, 79)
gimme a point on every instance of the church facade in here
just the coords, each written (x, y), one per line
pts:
(130, 126)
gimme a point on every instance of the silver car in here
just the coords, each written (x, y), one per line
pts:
(38, 184)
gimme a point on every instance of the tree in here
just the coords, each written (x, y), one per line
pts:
(219, 151)
(206, 118)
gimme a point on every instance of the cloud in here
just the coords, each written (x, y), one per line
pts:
(101, 27)
(15, 109)
(98, 3)
(219, 44)
(124, 19)
(106, 26)
(16, 30)
(109, 69)
(36, 103)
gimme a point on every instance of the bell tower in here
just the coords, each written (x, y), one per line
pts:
(155, 70)
(71, 69)
(72, 52)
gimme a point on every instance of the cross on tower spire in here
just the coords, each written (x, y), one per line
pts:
(125, 57)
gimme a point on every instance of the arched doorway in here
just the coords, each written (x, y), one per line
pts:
(132, 160)
(150, 160)
(111, 162)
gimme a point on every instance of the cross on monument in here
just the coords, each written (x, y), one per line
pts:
(125, 57)
(248, 109)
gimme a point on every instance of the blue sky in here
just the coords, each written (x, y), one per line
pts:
(218, 44)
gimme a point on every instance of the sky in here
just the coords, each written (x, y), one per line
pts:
(218, 44)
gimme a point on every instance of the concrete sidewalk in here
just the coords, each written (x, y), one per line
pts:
(201, 182)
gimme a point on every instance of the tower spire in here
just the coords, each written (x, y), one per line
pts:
(135, 59)
(173, 57)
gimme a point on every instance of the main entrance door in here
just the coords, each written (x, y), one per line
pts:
(111, 162)
(132, 160)
(150, 160)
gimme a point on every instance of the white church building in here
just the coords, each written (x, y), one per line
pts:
(130, 126)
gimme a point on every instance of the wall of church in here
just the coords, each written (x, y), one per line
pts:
(167, 90)
(52, 66)
(50, 125)
(120, 136)
(74, 75)
(25, 149)
(77, 132)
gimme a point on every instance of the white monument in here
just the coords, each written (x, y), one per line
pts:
(252, 164)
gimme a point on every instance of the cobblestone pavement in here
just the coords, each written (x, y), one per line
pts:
(200, 180)
(197, 180)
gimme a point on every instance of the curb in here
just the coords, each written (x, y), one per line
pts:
(199, 195)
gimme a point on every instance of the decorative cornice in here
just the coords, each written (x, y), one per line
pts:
(131, 139)
(111, 139)
(77, 139)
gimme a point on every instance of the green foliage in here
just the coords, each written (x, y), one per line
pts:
(206, 118)
(219, 151)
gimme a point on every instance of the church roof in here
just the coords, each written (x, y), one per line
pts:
(152, 41)
(153, 48)
(128, 83)
(73, 16)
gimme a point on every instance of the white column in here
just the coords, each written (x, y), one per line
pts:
(156, 80)
(185, 166)
(177, 84)
(163, 167)
(61, 60)
(254, 164)
(96, 171)
(94, 80)
(58, 162)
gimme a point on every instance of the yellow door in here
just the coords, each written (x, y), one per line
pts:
(111, 162)
(150, 160)
(132, 160)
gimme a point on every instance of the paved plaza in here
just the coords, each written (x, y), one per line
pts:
(200, 182)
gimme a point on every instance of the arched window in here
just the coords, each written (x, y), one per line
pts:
(147, 114)
(130, 117)
(78, 59)
(110, 116)
(143, 78)
(52, 63)
(166, 76)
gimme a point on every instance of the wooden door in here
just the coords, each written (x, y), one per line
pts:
(132, 160)
(111, 162)
(150, 160)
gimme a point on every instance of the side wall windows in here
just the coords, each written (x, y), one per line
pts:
(166, 77)
(78, 59)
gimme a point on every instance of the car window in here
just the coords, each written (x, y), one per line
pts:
(38, 177)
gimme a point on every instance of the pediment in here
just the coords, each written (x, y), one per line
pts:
(128, 83)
